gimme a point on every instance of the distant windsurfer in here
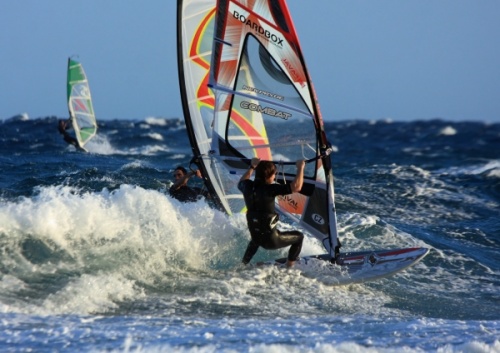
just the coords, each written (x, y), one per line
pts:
(261, 215)
(63, 126)
(180, 190)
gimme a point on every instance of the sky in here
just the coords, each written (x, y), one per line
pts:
(387, 59)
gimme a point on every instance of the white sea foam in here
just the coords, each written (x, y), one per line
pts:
(364, 232)
(494, 173)
(91, 294)
(491, 168)
(129, 233)
(139, 246)
(301, 341)
(116, 244)
(424, 185)
(155, 136)
(132, 234)
(100, 144)
(448, 131)
(156, 121)
(149, 150)
(409, 172)
(133, 165)
(178, 156)
(19, 117)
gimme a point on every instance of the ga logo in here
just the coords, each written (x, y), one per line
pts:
(318, 219)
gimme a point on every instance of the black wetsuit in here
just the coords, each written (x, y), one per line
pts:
(185, 193)
(262, 219)
(63, 125)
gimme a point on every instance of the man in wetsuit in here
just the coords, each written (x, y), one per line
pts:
(180, 190)
(261, 215)
(62, 127)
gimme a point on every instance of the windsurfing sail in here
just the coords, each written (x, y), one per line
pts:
(246, 93)
(80, 103)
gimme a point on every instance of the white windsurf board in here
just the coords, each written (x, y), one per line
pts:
(358, 267)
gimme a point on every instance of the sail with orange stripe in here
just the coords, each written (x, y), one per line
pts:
(247, 93)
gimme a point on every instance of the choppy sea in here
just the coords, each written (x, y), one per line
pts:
(95, 257)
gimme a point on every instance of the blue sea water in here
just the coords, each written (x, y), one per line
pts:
(95, 257)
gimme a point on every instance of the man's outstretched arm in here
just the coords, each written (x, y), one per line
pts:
(253, 164)
(296, 184)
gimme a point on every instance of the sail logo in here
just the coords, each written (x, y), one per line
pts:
(84, 91)
(295, 75)
(258, 28)
(318, 219)
(264, 93)
(290, 201)
(265, 110)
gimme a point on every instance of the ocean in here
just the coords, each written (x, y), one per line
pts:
(96, 257)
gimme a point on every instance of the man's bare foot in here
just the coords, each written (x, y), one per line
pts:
(290, 263)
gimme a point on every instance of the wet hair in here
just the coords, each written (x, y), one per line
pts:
(264, 170)
(182, 169)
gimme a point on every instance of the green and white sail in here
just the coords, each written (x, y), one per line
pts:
(80, 103)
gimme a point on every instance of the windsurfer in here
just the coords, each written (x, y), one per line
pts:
(180, 190)
(62, 127)
(262, 218)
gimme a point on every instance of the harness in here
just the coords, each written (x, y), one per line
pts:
(259, 221)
